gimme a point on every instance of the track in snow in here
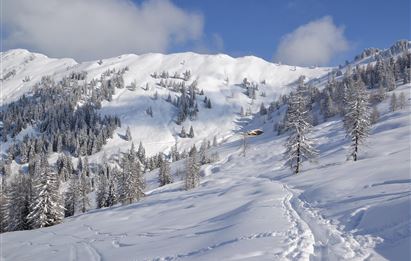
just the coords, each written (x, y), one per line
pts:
(328, 242)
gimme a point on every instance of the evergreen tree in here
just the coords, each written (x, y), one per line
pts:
(128, 134)
(86, 167)
(84, 190)
(263, 109)
(183, 133)
(141, 153)
(192, 172)
(3, 206)
(164, 173)
(46, 209)
(175, 156)
(102, 193)
(191, 133)
(393, 102)
(357, 117)
(131, 183)
(71, 196)
(299, 146)
(17, 205)
(111, 191)
(203, 157)
(208, 103)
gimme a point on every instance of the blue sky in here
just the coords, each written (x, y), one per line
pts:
(255, 27)
(299, 32)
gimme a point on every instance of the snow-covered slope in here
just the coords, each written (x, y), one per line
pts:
(218, 75)
(21, 69)
(251, 208)
(371, 55)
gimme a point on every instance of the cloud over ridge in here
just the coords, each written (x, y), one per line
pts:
(314, 43)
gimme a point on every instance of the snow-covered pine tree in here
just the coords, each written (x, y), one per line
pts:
(183, 133)
(111, 191)
(203, 153)
(64, 166)
(208, 105)
(102, 187)
(393, 102)
(191, 133)
(84, 190)
(192, 171)
(3, 206)
(299, 147)
(131, 183)
(357, 116)
(164, 173)
(46, 208)
(17, 202)
(141, 153)
(263, 109)
(175, 156)
(128, 135)
(71, 196)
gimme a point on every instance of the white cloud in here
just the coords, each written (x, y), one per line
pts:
(91, 29)
(315, 43)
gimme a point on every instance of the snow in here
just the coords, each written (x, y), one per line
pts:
(159, 133)
(27, 64)
(246, 208)
(253, 208)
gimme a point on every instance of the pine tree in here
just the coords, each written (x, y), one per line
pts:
(17, 204)
(357, 117)
(203, 153)
(191, 133)
(192, 172)
(393, 102)
(183, 133)
(46, 209)
(71, 196)
(164, 173)
(209, 104)
(141, 153)
(175, 156)
(102, 193)
(3, 206)
(111, 191)
(86, 167)
(263, 109)
(128, 134)
(84, 189)
(131, 182)
(299, 146)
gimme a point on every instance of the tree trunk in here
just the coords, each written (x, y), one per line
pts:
(355, 148)
(297, 169)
